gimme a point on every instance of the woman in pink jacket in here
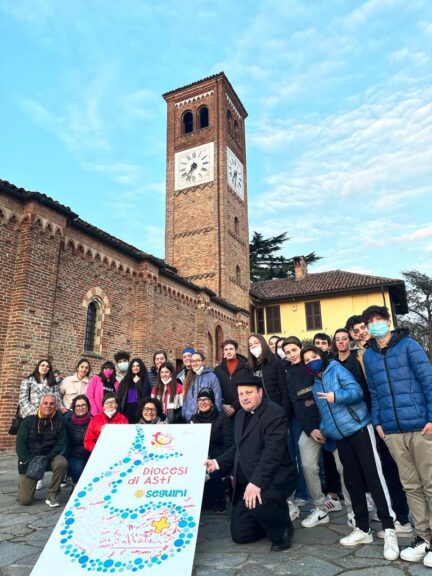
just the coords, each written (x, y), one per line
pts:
(100, 385)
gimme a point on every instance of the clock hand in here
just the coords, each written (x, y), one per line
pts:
(193, 167)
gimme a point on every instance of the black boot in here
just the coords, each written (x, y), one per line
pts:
(287, 539)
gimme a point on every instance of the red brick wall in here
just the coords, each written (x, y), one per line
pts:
(49, 269)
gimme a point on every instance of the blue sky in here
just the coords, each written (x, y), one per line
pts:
(339, 133)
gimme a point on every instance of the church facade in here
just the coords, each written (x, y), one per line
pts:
(70, 290)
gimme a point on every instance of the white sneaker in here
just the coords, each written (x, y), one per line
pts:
(294, 510)
(401, 530)
(391, 547)
(332, 504)
(316, 517)
(416, 551)
(351, 520)
(39, 484)
(356, 537)
(427, 560)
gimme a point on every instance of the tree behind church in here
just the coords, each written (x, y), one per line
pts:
(419, 317)
(266, 263)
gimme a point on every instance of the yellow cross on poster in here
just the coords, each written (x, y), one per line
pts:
(161, 524)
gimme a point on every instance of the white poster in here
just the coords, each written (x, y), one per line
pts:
(136, 507)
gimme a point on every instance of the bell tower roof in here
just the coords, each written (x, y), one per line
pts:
(170, 95)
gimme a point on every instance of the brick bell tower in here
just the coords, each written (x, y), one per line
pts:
(207, 234)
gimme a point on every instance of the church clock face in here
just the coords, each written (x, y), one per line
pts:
(235, 173)
(194, 166)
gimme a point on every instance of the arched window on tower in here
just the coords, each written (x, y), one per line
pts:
(238, 274)
(236, 130)
(229, 123)
(187, 122)
(219, 340)
(203, 117)
(90, 332)
(236, 225)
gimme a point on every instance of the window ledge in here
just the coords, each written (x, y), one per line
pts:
(92, 354)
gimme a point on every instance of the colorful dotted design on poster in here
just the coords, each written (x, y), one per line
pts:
(128, 539)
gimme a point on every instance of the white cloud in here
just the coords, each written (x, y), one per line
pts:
(143, 103)
(419, 234)
(120, 172)
(404, 54)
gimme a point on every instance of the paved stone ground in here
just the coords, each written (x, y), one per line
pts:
(315, 552)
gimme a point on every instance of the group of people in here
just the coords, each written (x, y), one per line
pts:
(345, 418)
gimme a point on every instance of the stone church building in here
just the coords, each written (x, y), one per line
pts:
(70, 290)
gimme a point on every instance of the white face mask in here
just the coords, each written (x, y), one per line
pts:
(110, 413)
(166, 380)
(281, 353)
(199, 370)
(256, 351)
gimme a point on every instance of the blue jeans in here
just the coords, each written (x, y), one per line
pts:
(75, 468)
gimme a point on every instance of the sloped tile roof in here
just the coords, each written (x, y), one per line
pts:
(335, 281)
(27, 195)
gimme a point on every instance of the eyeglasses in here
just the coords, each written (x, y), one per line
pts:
(84, 405)
(196, 361)
(204, 400)
(110, 402)
(150, 410)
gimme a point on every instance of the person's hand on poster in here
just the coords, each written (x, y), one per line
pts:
(211, 466)
(251, 495)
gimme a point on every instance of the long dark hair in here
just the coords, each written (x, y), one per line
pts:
(160, 386)
(50, 378)
(111, 381)
(266, 355)
(81, 361)
(128, 382)
(191, 375)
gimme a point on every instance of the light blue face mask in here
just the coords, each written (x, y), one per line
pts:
(123, 366)
(379, 329)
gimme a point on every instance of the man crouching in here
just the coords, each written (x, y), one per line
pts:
(263, 472)
(41, 434)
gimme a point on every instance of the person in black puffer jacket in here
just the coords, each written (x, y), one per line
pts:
(221, 438)
(270, 368)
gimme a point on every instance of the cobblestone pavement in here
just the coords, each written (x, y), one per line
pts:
(315, 552)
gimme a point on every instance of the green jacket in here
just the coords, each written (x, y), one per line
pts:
(37, 436)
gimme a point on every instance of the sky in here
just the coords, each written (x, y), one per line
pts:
(339, 132)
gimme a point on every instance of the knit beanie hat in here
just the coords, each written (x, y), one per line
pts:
(207, 393)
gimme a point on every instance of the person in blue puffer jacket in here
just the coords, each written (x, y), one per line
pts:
(345, 419)
(199, 377)
(399, 376)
